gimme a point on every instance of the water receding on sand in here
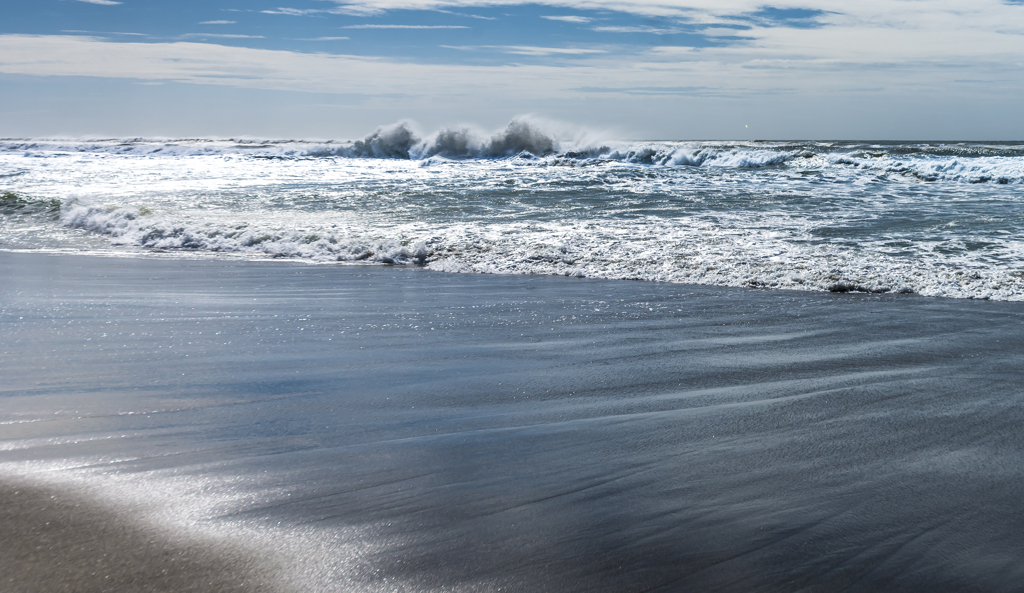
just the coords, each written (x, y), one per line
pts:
(395, 429)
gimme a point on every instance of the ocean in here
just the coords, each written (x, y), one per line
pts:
(929, 218)
(412, 363)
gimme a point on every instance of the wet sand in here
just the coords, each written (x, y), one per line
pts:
(396, 429)
(56, 541)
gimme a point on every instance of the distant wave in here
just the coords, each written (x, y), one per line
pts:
(394, 141)
(399, 141)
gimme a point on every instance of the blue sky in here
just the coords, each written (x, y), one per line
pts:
(730, 69)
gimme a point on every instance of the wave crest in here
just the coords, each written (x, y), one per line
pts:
(549, 144)
(140, 227)
(400, 141)
(11, 204)
(387, 142)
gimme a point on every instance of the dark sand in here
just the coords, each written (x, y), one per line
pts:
(495, 432)
(54, 541)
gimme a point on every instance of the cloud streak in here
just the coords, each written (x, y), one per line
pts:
(652, 30)
(898, 13)
(568, 19)
(530, 50)
(219, 36)
(405, 27)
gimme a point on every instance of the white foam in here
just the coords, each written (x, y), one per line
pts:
(683, 251)
(811, 216)
(129, 226)
(561, 145)
(986, 169)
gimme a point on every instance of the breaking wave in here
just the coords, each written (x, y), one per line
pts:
(141, 227)
(663, 252)
(399, 141)
(537, 143)
(396, 141)
(531, 198)
(13, 204)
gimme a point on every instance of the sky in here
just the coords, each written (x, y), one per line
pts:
(631, 69)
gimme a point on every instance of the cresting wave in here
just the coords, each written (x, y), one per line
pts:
(395, 141)
(529, 143)
(141, 227)
(398, 141)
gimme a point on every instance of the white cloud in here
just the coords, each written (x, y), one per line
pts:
(219, 36)
(103, 2)
(932, 56)
(918, 52)
(205, 63)
(653, 30)
(468, 16)
(218, 23)
(889, 12)
(529, 50)
(406, 27)
(103, 32)
(355, 9)
(568, 19)
(292, 11)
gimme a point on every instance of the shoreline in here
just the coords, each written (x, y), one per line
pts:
(403, 430)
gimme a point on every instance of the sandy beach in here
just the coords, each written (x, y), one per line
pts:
(216, 425)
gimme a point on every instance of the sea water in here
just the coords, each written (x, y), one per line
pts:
(359, 425)
(932, 218)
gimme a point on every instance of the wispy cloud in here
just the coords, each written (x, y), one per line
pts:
(103, 32)
(350, 9)
(219, 36)
(658, 90)
(218, 23)
(468, 16)
(405, 27)
(102, 2)
(529, 50)
(900, 14)
(321, 39)
(568, 19)
(652, 30)
(293, 11)
(895, 50)
(841, 63)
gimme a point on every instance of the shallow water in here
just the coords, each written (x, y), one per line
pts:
(383, 429)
